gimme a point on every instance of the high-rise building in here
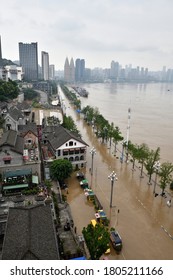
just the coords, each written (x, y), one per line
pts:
(28, 56)
(45, 65)
(79, 70)
(72, 71)
(52, 72)
(114, 71)
(66, 70)
(69, 71)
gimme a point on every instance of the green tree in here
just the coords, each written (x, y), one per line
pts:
(30, 94)
(97, 240)
(143, 152)
(117, 137)
(133, 150)
(152, 158)
(61, 169)
(8, 90)
(165, 174)
(69, 124)
(88, 114)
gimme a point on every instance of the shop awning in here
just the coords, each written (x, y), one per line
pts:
(17, 173)
(15, 187)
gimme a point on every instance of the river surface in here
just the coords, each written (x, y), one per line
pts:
(143, 220)
(151, 119)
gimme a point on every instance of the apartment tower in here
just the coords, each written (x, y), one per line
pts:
(45, 65)
(28, 56)
(79, 70)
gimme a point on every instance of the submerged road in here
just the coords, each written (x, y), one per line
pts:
(143, 220)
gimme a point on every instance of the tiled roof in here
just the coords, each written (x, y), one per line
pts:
(58, 135)
(30, 234)
(23, 129)
(15, 113)
(10, 138)
(23, 106)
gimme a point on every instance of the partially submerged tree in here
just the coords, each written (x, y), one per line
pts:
(165, 174)
(143, 152)
(152, 158)
(133, 150)
(97, 240)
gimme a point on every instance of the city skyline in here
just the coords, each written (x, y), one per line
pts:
(100, 31)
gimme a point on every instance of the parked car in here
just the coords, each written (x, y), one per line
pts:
(116, 240)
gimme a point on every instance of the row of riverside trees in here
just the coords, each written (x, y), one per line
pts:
(148, 158)
(71, 96)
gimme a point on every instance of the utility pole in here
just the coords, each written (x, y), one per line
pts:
(128, 132)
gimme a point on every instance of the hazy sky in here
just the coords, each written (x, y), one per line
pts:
(137, 32)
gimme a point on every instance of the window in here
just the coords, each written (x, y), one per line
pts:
(71, 143)
(7, 160)
(76, 158)
(8, 126)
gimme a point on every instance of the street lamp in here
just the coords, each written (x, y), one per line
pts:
(156, 168)
(112, 177)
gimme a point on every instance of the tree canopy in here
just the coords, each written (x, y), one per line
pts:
(97, 240)
(8, 90)
(61, 169)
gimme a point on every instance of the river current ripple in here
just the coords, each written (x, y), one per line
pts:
(151, 118)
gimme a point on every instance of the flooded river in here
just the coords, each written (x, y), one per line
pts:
(143, 220)
(151, 119)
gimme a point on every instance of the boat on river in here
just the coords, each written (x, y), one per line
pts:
(81, 91)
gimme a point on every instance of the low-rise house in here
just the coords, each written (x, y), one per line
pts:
(13, 118)
(26, 109)
(30, 135)
(30, 234)
(11, 149)
(60, 143)
(15, 164)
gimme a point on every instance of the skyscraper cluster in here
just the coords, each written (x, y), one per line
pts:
(74, 73)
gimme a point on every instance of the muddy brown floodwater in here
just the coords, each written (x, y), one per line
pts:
(143, 220)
